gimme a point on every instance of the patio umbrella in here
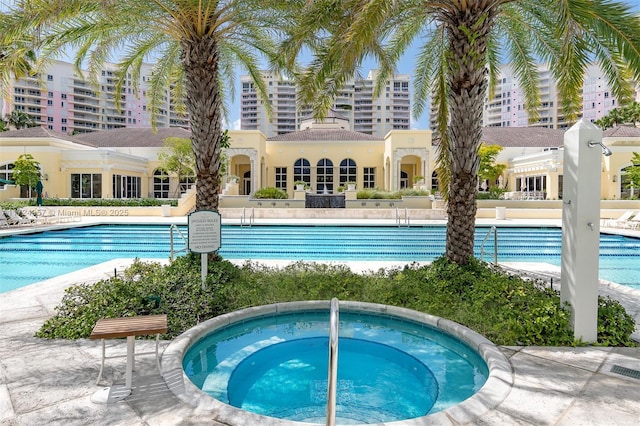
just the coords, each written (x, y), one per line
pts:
(39, 188)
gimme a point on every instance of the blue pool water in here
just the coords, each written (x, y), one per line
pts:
(388, 369)
(25, 259)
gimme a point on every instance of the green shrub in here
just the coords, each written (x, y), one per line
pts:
(377, 194)
(505, 308)
(271, 192)
(92, 202)
(414, 192)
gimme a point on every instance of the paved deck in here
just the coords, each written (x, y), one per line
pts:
(50, 382)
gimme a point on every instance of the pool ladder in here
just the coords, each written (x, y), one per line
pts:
(247, 221)
(333, 363)
(173, 250)
(493, 231)
(402, 221)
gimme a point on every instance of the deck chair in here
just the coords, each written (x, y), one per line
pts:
(15, 219)
(28, 214)
(3, 220)
(634, 222)
(619, 222)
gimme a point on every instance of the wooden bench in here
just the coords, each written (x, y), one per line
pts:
(129, 327)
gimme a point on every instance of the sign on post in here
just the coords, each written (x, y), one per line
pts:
(204, 236)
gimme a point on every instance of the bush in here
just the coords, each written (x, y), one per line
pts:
(91, 202)
(377, 194)
(271, 192)
(505, 308)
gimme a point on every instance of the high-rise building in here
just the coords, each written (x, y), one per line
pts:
(63, 101)
(507, 106)
(374, 116)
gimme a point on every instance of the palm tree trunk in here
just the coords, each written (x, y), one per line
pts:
(200, 60)
(467, 32)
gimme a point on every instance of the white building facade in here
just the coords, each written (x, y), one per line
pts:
(367, 114)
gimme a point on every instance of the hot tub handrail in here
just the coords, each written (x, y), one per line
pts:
(333, 363)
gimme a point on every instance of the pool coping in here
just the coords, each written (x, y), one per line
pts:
(492, 393)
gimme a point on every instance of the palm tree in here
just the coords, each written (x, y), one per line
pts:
(461, 44)
(195, 45)
(21, 120)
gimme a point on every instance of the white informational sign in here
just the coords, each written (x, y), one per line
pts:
(204, 237)
(204, 231)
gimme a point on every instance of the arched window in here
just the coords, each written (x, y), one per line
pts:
(186, 182)
(347, 171)
(160, 184)
(324, 179)
(302, 170)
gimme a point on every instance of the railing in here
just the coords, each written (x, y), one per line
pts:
(399, 218)
(247, 221)
(333, 363)
(493, 230)
(175, 228)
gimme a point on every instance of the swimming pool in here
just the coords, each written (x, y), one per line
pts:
(26, 259)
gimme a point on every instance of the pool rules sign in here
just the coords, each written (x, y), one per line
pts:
(204, 236)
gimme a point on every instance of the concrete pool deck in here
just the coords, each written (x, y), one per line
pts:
(52, 381)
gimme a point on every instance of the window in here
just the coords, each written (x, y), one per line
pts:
(186, 182)
(126, 186)
(281, 178)
(63, 120)
(435, 182)
(49, 77)
(49, 102)
(324, 179)
(347, 171)
(50, 119)
(63, 96)
(369, 177)
(86, 185)
(6, 172)
(160, 184)
(302, 170)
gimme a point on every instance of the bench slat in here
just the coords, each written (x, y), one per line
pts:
(112, 328)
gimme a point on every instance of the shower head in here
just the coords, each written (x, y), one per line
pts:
(605, 151)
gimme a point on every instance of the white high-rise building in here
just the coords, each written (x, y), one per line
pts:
(63, 101)
(366, 114)
(507, 107)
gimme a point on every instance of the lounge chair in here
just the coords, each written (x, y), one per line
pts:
(3, 220)
(619, 222)
(633, 222)
(28, 214)
(15, 219)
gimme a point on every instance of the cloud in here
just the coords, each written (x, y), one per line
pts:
(234, 125)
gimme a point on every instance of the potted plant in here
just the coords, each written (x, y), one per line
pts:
(300, 185)
(351, 186)
(232, 179)
(418, 180)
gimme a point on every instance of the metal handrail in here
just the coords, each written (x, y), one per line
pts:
(173, 251)
(493, 230)
(399, 218)
(243, 218)
(333, 363)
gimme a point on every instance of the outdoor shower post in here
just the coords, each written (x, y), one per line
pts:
(581, 227)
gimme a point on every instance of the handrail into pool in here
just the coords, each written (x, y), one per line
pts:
(186, 244)
(333, 363)
(495, 244)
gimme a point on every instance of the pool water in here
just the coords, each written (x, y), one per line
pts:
(388, 368)
(26, 259)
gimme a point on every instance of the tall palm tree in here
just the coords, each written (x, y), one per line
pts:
(195, 45)
(461, 44)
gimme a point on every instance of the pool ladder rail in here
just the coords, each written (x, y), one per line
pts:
(493, 231)
(173, 250)
(247, 221)
(333, 362)
(402, 221)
